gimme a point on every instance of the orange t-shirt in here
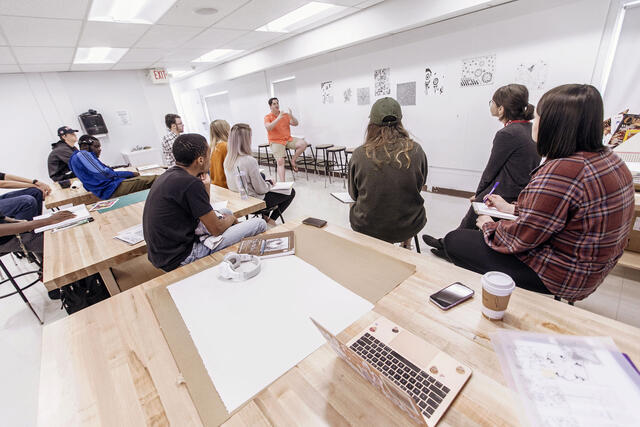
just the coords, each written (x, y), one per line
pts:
(281, 133)
(216, 169)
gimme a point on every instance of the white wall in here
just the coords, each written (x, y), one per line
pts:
(34, 105)
(455, 129)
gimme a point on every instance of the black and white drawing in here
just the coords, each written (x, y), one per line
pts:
(326, 89)
(382, 85)
(478, 71)
(364, 96)
(346, 95)
(406, 93)
(532, 74)
(433, 82)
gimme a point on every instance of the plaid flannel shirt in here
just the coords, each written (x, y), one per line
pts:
(574, 219)
(167, 149)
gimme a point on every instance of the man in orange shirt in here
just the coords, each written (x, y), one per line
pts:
(279, 133)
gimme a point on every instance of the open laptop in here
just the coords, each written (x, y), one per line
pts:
(416, 376)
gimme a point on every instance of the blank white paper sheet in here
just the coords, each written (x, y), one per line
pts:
(250, 333)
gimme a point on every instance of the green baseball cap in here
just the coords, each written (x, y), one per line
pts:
(385, 111)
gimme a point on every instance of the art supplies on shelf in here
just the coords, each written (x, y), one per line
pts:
(268, 245)
(132, 235)
(82, 215)
(282, 187)
(344, 197)
(482, 209)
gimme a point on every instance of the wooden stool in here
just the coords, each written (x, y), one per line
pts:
(325, 161)
(336, 162)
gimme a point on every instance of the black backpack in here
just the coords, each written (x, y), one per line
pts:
(83, 293)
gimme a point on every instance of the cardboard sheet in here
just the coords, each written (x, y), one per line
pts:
(359, 268)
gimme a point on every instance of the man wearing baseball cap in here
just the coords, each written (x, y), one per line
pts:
(61, 152)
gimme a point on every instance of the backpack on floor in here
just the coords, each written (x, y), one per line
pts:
(83, 293)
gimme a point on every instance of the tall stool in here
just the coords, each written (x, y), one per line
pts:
(303, 160)
(347, 154)
(324, 163)
(337, 162)
(19, 290)
(265, 147)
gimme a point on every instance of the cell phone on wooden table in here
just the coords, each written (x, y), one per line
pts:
(315, 222)
(451, 296)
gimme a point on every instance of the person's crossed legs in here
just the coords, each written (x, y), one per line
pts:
(22, 204)
(280, 153)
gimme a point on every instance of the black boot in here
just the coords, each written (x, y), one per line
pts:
(432, 241)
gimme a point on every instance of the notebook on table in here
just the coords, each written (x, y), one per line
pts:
(282, 187)
(415, 376)
(268, 245)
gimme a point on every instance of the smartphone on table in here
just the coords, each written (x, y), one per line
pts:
(451, 296)
(315, 222)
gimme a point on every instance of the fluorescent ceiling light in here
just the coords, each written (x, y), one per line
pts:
(216, 55)
(303, 16)
(129, 11)
(99, 55)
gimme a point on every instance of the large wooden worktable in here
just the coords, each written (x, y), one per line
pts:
(110, 364)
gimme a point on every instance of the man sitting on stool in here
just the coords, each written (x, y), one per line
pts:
(279, 133)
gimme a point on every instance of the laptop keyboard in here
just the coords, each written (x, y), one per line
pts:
(426, 391)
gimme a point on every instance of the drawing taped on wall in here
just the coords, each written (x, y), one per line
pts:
(406, 93)
(346, 95)
(364, 96)
(478, 71)
(433, 82)
(382, 85)
(326, 90)
(532, 74)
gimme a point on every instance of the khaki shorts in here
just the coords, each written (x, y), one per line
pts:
(279, 150)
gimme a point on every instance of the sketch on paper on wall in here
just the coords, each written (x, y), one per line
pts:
(406, 93)
(382, 86)
(347, 95)
(433, 82)
(478, 71)
(327, 92)
(532, 74)
(364, 96)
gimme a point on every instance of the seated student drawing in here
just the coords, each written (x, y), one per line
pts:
(513, 155)
(574, 216)
(178, 222)
(239, 158)
(99, 178)
(386, 175)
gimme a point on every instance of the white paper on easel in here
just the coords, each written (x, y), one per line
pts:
(250, 333)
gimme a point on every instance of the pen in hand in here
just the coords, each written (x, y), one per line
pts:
(484, 199)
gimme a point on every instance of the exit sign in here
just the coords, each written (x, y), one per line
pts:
(159, 76)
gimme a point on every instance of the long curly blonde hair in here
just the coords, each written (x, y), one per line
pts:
(388, 144)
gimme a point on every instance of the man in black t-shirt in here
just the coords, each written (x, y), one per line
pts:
(179, 201)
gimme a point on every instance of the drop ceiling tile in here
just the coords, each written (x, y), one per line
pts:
(43, 55)
(91, 67)
(40, 32)
(132, 66)
(3, 41)
(182, 12)
(252, 40)
(9, 69)
(360, 4)
(257, 13)
(6, 57)
(69, 9)
(166, 36)
(213, 38)
(186, 55)
(143, 55)
(111, 34)
(43, 68)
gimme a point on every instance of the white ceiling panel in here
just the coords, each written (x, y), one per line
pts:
(6, 57)
(43, 55)
(360, 4)
(22, 31)
(111, 34)
(132, 66)
(213, 38)
(41, 68)
(166, 37)
(258, 12)
(69, 9)
(3, 41)
(253, 39)
(9, 69)
(143, 55)
(91, 67)
(186, 55)
(182, 12)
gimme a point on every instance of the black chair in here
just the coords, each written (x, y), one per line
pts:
(267, 156)
(20, 290)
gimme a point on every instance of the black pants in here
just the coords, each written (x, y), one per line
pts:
(281, 200)
(467, 249)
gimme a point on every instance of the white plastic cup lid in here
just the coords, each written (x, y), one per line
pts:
(499, 281)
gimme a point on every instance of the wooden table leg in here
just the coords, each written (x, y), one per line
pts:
(110, 281)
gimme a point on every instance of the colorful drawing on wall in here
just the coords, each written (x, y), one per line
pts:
(382, 85)
(532, 74)
(433, 82)
(346, 95)
(478, 71)
(406, 93)
(326, 89)
(364, 96)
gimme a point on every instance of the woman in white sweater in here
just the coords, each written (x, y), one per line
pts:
(239, 159)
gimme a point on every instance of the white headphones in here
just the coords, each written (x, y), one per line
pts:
(229, 268)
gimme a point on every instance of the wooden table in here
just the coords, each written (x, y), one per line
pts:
(81, 251)
(110, 364)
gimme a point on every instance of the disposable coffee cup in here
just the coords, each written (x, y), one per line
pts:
(496, 291)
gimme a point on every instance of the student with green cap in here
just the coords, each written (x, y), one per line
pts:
(386, 175)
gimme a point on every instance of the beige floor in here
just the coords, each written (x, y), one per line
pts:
(20, 334)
